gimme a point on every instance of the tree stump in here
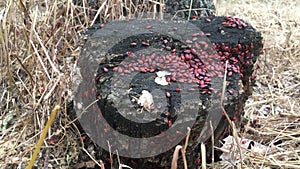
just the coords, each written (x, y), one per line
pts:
(121, 60)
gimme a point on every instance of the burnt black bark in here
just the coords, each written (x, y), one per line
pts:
(177, 9)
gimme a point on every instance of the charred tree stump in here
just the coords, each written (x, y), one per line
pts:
(111, 55)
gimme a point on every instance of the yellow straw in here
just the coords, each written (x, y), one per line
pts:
(43, 135)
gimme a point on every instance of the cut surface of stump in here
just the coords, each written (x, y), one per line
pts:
(121, 64)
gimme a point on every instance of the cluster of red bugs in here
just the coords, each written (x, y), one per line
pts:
(185, 65)
(188, 67)
(234, 23)
(239, 59)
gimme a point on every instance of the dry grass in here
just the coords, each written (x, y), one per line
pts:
(40, 42)
(275, 103)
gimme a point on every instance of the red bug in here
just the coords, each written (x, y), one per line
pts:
(133, 44)
(106, 129)
(105, 69)
(168, 114)
(187, 51)
(83, 138)
(253, 77)
(188, 41)
(195, 34)
(168, 94)
(181, 80)
(235, 69)
(101, 25)
(115, 69)
(199, 161)
(145, 44)
(169, 123)
(152, 143)
(208, 34)
(120, 70)
(178, 132)
(42, 90)
(168, 48)
(239, 46)
(58, 24)
(241, 75)
(151, 70)
(51, 141)
(144, 70)
(244, 142)
(230, 92)
(129, 53)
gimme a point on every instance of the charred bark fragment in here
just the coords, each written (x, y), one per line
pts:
(178, 9)
(199, 8)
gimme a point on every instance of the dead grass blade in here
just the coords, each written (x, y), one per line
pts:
(43, 135)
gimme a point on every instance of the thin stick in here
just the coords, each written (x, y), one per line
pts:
(43, 135)
(190, 10)
(175, 157)
(101, 165)
(84, 10)
(224, 83)
(225, 113)
(203, 156)
(120, 164)
(187, 138)
(183, 150)
(83, 111)
(45, 51)
(110, 154)
(47, 96)
(40, 59)
(213, 146)
(98, 12)
(161, 8)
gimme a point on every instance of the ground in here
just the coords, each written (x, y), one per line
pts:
(40, 42)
